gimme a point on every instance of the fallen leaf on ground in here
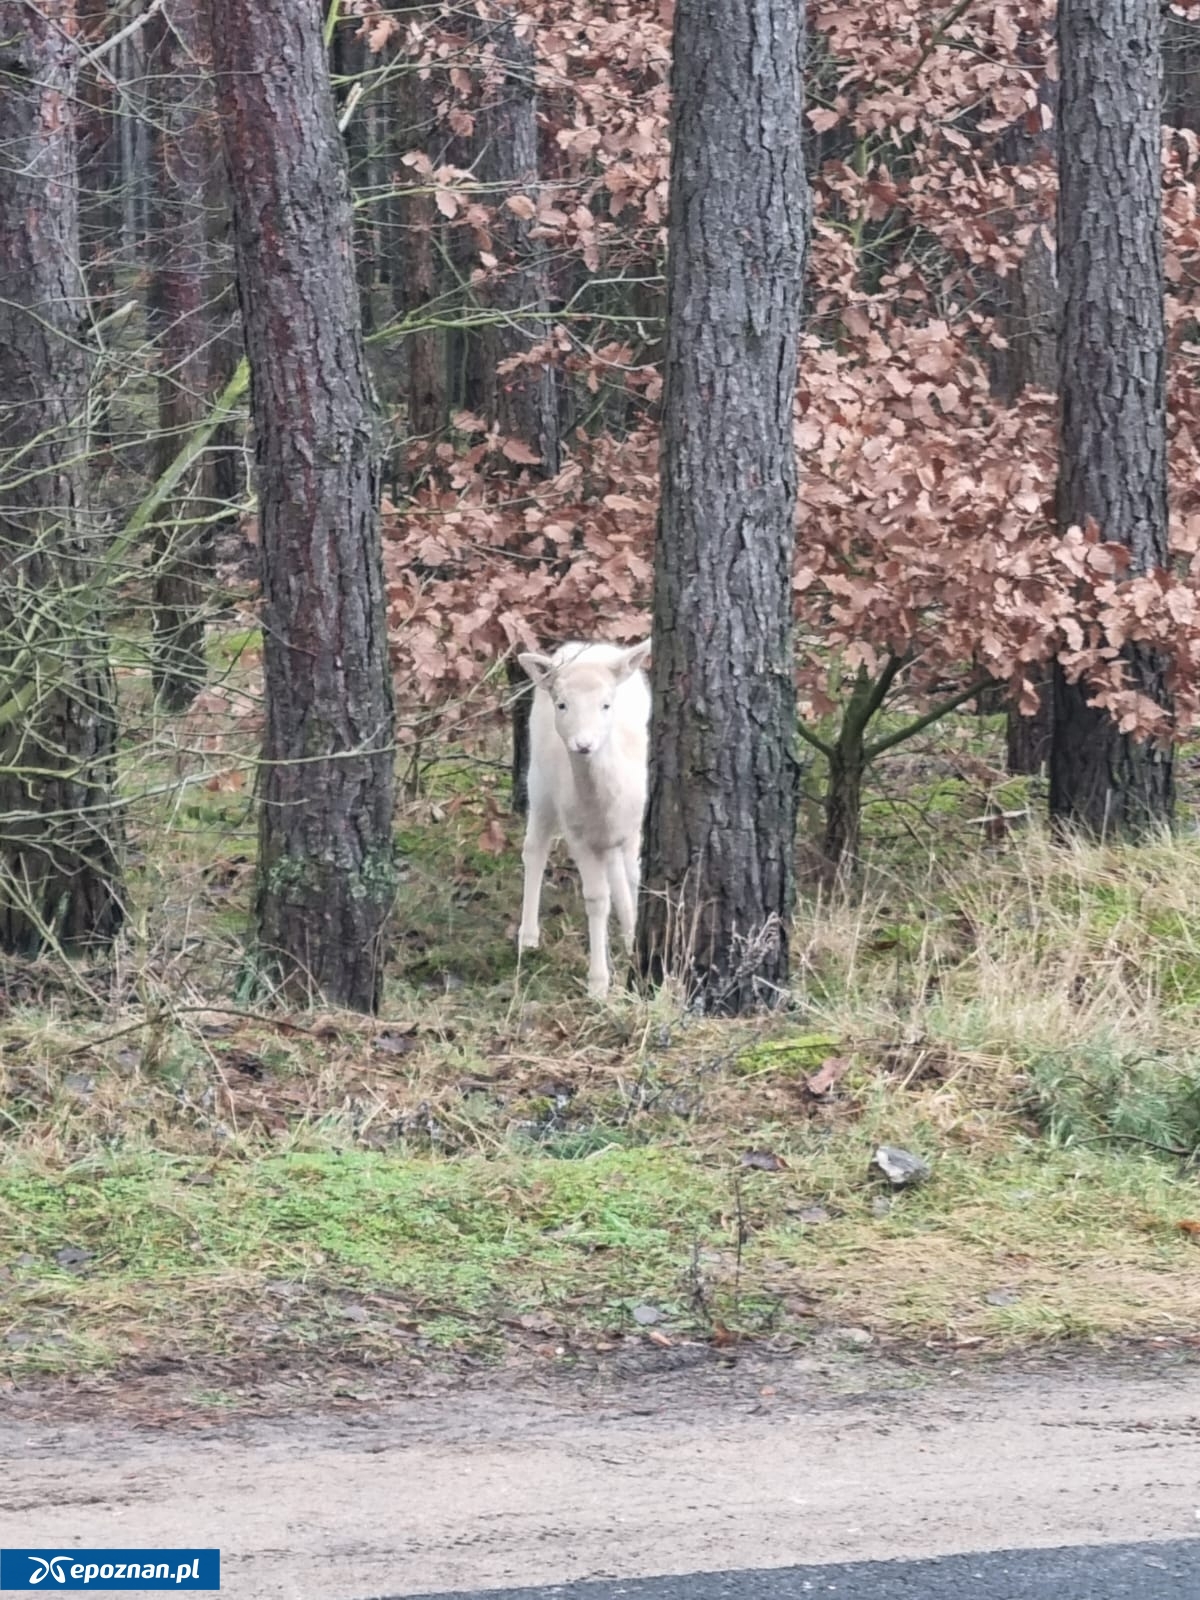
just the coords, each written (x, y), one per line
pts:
(830, 1073)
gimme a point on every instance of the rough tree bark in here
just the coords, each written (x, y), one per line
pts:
(722, 810)
(325, 865)
(1112, 380)
(59, 827)
(523, 403)
(183, 574)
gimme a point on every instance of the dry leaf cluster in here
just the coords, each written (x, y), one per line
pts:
(926, 528)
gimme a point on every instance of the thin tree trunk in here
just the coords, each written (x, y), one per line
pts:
(1027, 738)
(125, 70)
(522, 403)
(1112, 381)
(466, 347)
(227, 453)
(721, 818)
(1027, 317)
(414, 273)
(59, 827)
(1032, 332)
(227, 450)
(1181, 71)
(521, 708)
(1027, 310)
(183, 574)
(99, 217)
(843, 810)
(352, 62)
(325, 865)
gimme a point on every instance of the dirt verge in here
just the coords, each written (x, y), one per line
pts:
(762, 1463)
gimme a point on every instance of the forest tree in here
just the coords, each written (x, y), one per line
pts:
(722, 808)
(59, 825)
(1112, 356)
(325, 864)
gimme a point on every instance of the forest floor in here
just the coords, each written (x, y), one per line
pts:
(200, 1187)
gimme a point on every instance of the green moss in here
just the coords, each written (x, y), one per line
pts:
(226, 649)
(792, 1056)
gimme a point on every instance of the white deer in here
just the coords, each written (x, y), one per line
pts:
(588, 738)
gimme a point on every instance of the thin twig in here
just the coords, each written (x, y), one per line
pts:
(91, 57)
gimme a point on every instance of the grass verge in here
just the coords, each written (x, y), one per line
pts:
(497, 1161)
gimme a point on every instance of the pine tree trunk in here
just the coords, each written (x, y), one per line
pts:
(1112, 381)
(183, 574)
(721, 817)
(59, 827)
(325, 866)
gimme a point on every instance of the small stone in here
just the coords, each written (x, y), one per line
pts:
(881, 1205)
(900, 1167)
(72, 1256)
(647, 1316)
(814, 1214)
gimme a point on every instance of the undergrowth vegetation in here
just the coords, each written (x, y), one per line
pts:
(192, 1172)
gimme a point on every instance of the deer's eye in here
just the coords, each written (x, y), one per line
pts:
(607, 706)
(562, 705)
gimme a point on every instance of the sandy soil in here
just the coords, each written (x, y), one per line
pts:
(762, 1464)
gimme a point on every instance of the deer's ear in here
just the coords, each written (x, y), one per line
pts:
(537, 667)
(633, 659)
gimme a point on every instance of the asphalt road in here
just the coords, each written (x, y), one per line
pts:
(1160, 1571)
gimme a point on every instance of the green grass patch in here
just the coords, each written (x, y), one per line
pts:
(119, 1258)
